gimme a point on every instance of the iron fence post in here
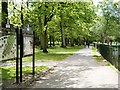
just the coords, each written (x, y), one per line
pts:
(17, 57)
(21, 53)
(33, 53)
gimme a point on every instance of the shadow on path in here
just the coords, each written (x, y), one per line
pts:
(79, 70)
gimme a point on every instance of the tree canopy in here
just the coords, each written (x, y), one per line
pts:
(67, 23)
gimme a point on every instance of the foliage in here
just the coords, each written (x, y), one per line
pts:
(75, 23)
(68, 22)
(107, 25)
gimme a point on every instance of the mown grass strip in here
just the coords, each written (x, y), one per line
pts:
(100, 58)
(97, 57)
(9, 73)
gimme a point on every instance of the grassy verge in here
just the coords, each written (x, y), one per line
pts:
(54, 53)
(97, 57)
(9, 73)
(100, 58)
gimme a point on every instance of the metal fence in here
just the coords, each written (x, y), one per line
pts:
(110, 53)
(17, 44)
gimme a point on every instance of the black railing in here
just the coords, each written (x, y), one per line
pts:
(17, 44)
(110, 53)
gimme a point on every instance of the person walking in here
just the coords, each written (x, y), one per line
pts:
(88, 44)
(84, 44)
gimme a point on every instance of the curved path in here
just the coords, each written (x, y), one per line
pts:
(79, 70)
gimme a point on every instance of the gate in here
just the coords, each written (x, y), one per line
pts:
(17, 44)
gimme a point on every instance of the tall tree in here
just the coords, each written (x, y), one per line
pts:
(4, 12)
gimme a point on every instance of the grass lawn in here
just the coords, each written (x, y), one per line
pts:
(54, 53)
(9, 73)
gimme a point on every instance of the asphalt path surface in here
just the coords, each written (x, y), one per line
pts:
(79, 70)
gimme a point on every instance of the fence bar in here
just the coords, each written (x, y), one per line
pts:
(21, 53)
(17, 56)
(33, 53)
(111, 54)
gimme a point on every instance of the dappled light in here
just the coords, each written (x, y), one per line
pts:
(71, 44)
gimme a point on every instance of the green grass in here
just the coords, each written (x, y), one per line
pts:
(98, 58)
(9, 73)
(54, 53)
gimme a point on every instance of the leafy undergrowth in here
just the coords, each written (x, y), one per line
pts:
(9, 73)
(54, 53)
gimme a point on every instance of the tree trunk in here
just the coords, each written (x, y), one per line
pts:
(53, 39)
(45, 41)
(76, 41)
(62, 32)
(50, 40)
(72, 42)
(4, 13)
(79, 42)
(41, 33)
(62, 36)
(67, 41)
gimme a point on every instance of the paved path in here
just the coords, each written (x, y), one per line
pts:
(80, 70)
(37, 63)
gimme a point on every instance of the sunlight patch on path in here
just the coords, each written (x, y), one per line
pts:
(80, 70)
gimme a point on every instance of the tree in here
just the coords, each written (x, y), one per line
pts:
(108, 22)
(44, 12)
(4, 13)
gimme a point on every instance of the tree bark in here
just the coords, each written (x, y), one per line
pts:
(67, 41)
(79, 42)
(53, 40)
(41, 33)
(45, 41)
(4, 13)
(76, 41)
(72, 42)
(46, 20)
(62, 32)
(50, 40)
